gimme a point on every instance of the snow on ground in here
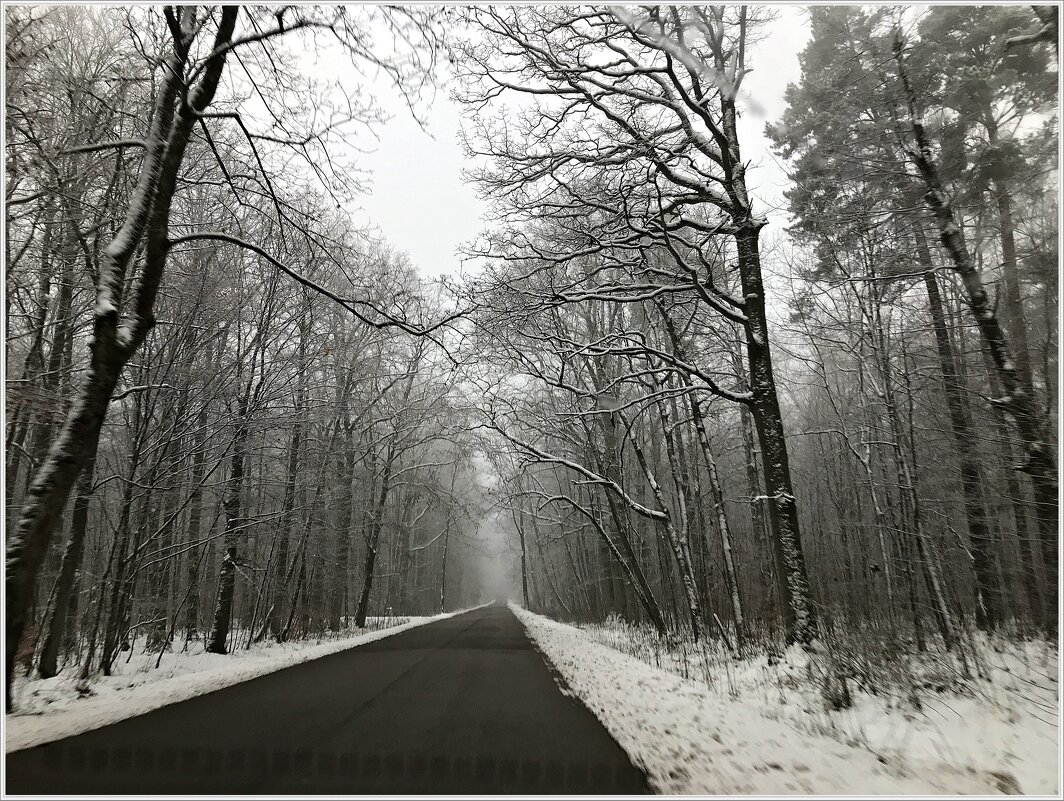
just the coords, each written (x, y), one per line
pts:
(50, 709)
(754, 728)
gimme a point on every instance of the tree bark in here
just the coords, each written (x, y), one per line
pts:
(1018, 503)
(112, 344)
(223, 610)
(373, 540)
(716, 493)
(64, 596)
(988, 600)
(799, 613)
(1018, 401)
(1014, 314)
(195, 514)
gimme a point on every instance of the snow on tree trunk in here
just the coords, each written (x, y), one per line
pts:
(1018, 401)
(799, 614)
(113, 343)
(678, 544)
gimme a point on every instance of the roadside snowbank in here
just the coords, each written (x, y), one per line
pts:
(50, 709)
(690, 738)
(1003, 717)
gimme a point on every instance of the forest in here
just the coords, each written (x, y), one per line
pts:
(235, 414)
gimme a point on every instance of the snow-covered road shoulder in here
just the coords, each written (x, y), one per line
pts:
(690, 741)
(51, 709)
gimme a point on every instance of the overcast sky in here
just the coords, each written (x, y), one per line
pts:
(421, 205)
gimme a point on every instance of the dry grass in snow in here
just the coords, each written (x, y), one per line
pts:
(700, 722)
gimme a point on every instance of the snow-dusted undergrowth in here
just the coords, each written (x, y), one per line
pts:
(50, 709)
(701, 726)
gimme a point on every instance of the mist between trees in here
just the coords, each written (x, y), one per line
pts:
(233, 415)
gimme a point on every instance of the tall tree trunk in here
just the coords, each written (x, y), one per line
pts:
(906, 465)
(338, 592)
(443, 567)
(122, 553)
(988, 601)
(1014, 314)
(716, 493)
(64, 595)
(1018, 504)
(113, 343)
(681, 533)
(446, 542)
(1018, 400)
(223, 610)
(637, 576)
(280, 565)
(521, 539)
(677, 543)
(195, 514)
(373, 537)
(20, 418)
(731, 575)
(634, 575)
(799, 613)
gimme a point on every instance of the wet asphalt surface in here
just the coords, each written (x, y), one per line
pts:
(463, 706)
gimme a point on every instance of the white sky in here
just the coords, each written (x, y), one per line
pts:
(421, 205)
(419, 201)
(775, 64)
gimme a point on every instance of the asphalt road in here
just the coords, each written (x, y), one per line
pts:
(464, 705)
